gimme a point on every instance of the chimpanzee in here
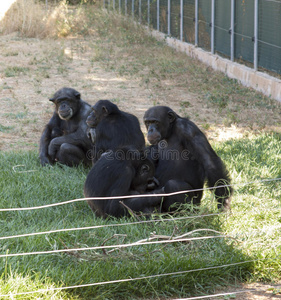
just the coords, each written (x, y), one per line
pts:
(111, 128)
(64, 138)
(125, 171)
(184, 158)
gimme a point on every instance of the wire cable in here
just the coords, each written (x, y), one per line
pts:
(128, 279)
(134, 196)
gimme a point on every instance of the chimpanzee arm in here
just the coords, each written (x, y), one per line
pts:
(77, 138)
(116, 186)
(137, 204)
(196, 142)
(101, 183)
(145, 204)
(46, 139)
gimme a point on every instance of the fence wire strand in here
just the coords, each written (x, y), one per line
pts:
(138, 196)
(112, 246)
(129, 279)
(119, 246)
(107, 225)
(126, 224)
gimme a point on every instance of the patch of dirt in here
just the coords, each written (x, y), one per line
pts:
(32, 70)
(254, 291)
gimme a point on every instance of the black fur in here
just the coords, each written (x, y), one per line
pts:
(64, 138)
(123, 172)
(184, 158)
(111, 129)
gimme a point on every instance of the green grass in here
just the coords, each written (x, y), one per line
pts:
(15, 71)
(4, 128)
(254, 226)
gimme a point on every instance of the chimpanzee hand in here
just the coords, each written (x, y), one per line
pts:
(44, 160)
(53, 148)
(152, 184)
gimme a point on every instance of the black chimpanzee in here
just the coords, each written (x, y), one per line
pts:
(184, 158)
(111, 128)
(64, 138)
(125, 171)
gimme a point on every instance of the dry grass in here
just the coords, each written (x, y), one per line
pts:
(25, 16)
(103, 56)
(32, 19)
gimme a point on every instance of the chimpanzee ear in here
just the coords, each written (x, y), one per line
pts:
(172, 116)
(104, 110)
(144, 169)
(77, 95)
(52, 99)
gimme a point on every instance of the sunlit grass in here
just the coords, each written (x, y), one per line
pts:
(254, 227)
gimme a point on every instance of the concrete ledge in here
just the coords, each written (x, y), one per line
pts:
(264, 83)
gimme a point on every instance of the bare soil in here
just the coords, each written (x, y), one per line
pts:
(32, 70)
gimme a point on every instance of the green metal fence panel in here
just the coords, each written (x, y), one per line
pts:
(188, 21)
(244, 30)
(123, 7)
(222, 26)
(175, 18)
(144, 11)
(204, 18)
(269, 40)
(129, 7)
(247, 31)
(153, 13)
(163, 16)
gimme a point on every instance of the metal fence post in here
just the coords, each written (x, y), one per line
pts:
(232, 20)
(126, 2)
(103, 3)
(169, 17)
(133, 8)
(158, 8)
(196, 22)
(256, 24)
(140, 11)
(148, 12)
(181, 20)
(213, 28)
(114, 5)
(119, 6)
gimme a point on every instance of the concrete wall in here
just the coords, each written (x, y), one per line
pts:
(268, 85)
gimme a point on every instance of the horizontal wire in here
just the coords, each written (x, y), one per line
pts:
(128, 279)
(276, 1)
(105, 226)
(111, 246)
(127, 224)
(136, 196)
(269, 44)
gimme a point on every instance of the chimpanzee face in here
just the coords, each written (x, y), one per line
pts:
(65, 108)
(158, 121)
(153, 131)
(67, 102)
(99, 112)
(144, 176)
(92, 120)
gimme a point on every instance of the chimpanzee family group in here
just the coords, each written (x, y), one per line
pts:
(179, 158)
